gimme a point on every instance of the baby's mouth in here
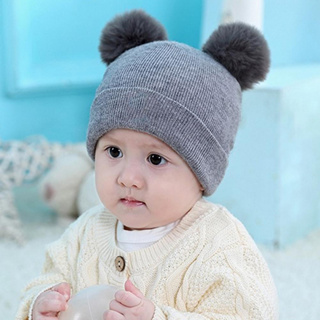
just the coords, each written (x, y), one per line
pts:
(131, 202)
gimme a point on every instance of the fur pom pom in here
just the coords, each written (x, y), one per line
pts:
(242, 50)
(128, 31)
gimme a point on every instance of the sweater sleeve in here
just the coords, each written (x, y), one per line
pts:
(222, 288)
(58, 267)
(230, 281)
(53, 274)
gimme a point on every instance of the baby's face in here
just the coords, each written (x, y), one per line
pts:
(142, 181)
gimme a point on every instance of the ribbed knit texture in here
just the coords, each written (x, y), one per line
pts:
(178, 94)
(207, 267)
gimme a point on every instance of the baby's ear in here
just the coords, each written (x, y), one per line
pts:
(242, 50)
(127, 31)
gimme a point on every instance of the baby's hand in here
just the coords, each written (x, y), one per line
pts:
(51, 302)
(130, 304)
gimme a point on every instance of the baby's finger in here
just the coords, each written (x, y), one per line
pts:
(129, 286)
(63, 288)
(127, 298)
(51, 302)
(112, 315)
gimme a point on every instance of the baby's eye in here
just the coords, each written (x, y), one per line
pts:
(156, 160)
(114, 152)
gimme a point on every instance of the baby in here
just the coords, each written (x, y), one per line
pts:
(162, 125)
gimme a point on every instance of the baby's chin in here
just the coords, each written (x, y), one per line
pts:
(134, 226)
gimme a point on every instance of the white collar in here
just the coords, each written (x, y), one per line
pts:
(130, 240)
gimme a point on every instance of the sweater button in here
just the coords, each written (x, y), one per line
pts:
(120, 263)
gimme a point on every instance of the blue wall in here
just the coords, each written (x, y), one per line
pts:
(50, 68)
(291, 27)
(273, 180)
(50, 65)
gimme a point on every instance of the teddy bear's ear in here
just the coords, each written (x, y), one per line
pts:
(242, 50)
(128, 31)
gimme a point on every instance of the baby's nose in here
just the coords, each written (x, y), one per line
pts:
(131, 176)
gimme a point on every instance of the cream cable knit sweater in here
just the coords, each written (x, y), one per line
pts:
(207, 267)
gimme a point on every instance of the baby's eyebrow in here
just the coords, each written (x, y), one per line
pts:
(159, 145)
(164, 149)
(156, 145)
(109, 138)
(153, 145)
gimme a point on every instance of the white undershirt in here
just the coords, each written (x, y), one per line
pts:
(131, 240)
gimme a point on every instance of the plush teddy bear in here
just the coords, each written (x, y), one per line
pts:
(69, 186)
(21, 162)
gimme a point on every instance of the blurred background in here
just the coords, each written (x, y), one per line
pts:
(50, 68)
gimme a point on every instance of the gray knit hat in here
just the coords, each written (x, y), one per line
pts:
(188, 98)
